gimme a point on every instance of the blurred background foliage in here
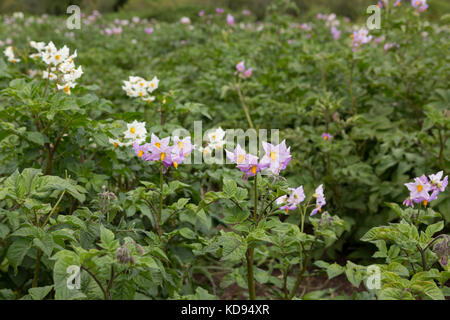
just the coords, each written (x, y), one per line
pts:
(169, 10)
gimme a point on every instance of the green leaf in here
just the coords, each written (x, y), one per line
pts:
(333, 270)
(61, 273)
(17, 251)
(36, 137)
(107, 239)
(428, 288)
(187, 233)
(39, 293)
(436, 227)
(7, 294)
(229, 187)
(233, 247)
(394, 294)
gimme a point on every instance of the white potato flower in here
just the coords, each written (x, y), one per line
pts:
(135, 131)
(9, 53)
(137, 87)
(216, 138)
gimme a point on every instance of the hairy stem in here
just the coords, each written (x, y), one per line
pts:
(105, 294)
(161, 181)
(244, 106)
(302, 273)
(36, 269)
(250, 275)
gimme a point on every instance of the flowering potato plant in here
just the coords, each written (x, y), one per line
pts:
(416, 256)
(254, 218)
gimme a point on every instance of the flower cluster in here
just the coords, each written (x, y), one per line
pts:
(240, 69)
(61, 66)
(291, 201)
(230, 20)
(185, 20)
(424, 190)
(159, 150)
(420, 5)
(326, 136)
(135, 132)
(215, 141)
(360, 37)
(381, 4)
(275, 159)
(137, 87)
(332, 22)
(9, 53)
(297, 195)
(320, 200)
(335, 33)
(442, 249)
(385, 3)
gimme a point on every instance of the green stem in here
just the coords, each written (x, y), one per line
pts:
(46, 84)
(250, 275)
(301, 274)
(255, 213)
(352, 98)
(244, 106)
(424, 260)
(54, 209)
(161, 181)
(304, 214)
(250, 251)
(36, 269)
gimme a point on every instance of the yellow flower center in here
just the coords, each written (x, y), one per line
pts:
(152, 84)
(287, 210)
(116, 144)
(240, 158)
(254, 169)
(205, 151)
(325, 137)
(175, 164)
(57, 57)
(419, 188)
(273, 155)
(66, 88)
(158, 145)
(180, 144)
(133, 130)
(163, 156)
(141, 84)
(352, 36)
(425, 202)
(141, 94)
(214, 137)
(140, 153)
